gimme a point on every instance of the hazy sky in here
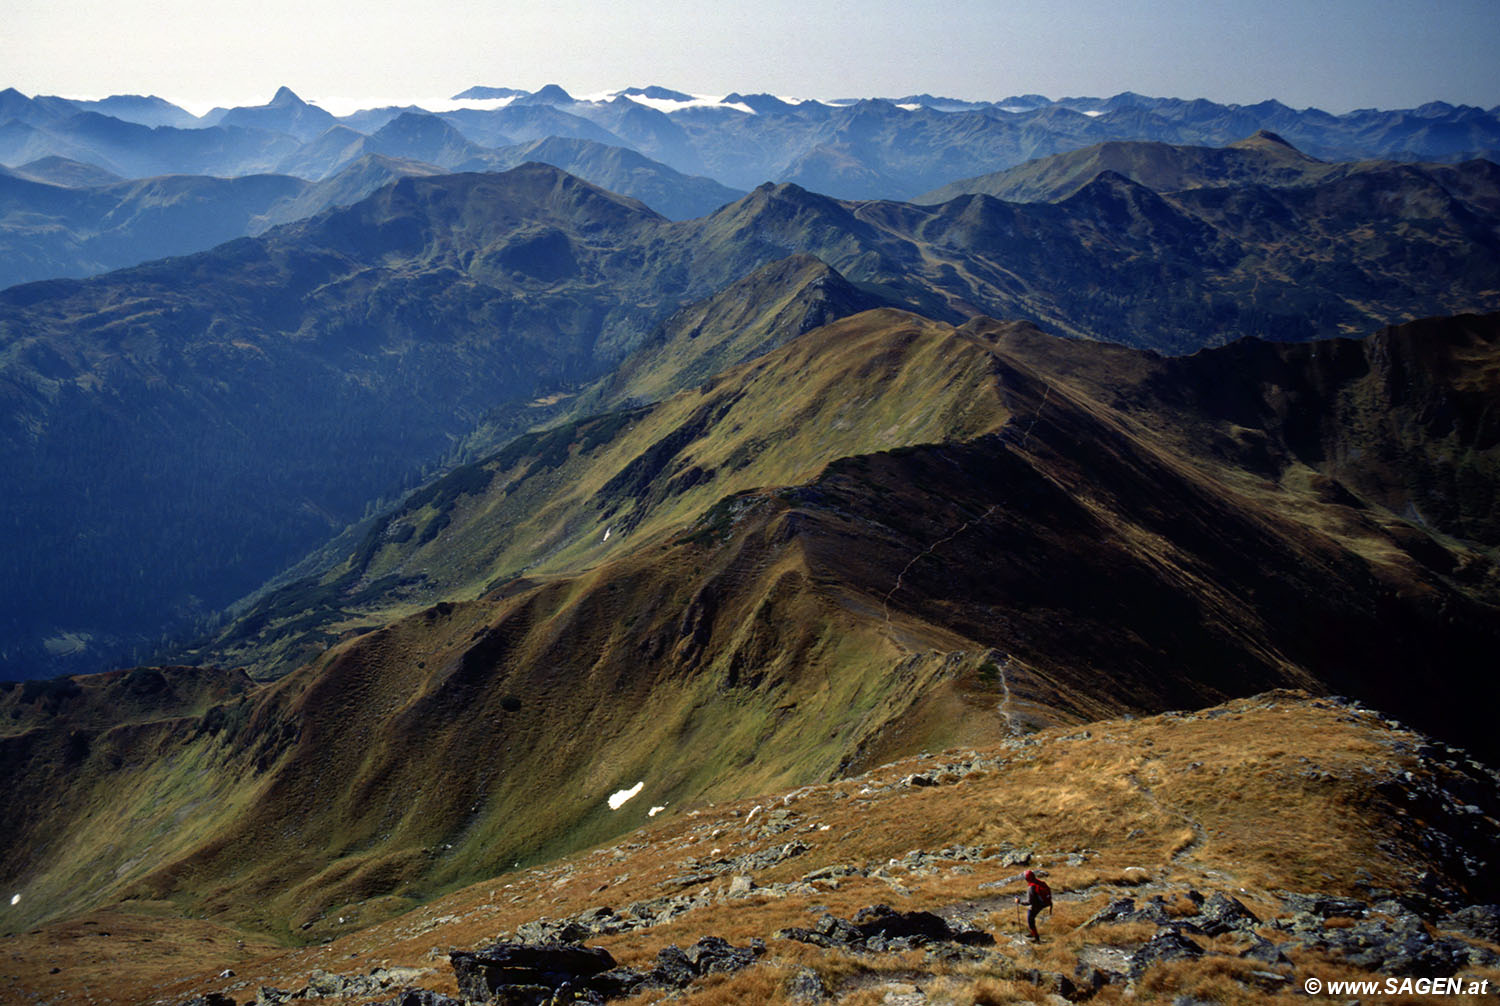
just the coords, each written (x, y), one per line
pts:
(1334, 54)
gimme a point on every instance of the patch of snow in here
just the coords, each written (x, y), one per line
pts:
(15, 899)
(656, 810)
(1093, 113)
(606, 535)
(753, 812)
(910, 107)
(617, 800)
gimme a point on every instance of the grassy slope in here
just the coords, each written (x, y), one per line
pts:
(1252, 798)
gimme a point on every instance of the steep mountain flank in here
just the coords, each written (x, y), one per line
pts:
(61, 171)
(1229, 489)
(365, 342)
(48, 231)
(673, 194)
(768, 307)
(284, 113)
(247, 401)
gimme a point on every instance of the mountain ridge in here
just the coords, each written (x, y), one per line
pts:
(535, 252)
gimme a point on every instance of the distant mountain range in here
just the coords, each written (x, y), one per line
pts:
(684, 156)
(865, 148)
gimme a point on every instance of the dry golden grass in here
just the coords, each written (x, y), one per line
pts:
(1123, 799)
(757, 984)
(1215, 979)
(998, 992)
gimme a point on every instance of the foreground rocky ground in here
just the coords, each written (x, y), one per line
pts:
(1237, 854)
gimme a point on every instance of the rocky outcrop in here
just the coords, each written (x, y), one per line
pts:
(532, 974)
(521, 974)
(1167, 945)
(882, 929)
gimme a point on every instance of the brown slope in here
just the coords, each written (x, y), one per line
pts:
(1254, 799)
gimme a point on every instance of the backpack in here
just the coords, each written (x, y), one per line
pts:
(1043, 893)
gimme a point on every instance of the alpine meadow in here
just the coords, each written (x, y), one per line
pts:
(648, 546)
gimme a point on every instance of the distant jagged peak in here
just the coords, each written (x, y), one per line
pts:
(550, 183)
(939, 102)
(1435, 109)
(412, 122)
(551, 94)
(656, 93)
(285, 97)
(1111, 188)
(482, 93)
(789, 192)
(1265, 140)
(1110, 179)
(1264, 137)
(1130, 99)
(760, 103)
(1024, 101)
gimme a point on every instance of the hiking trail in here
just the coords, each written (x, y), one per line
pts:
(926, 552)
(1004, 707)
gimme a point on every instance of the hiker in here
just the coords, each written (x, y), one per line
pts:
(1038, 897)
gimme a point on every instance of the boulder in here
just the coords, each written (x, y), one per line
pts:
(1050, 982)
(1480, 922)
(1222, 913)
(1167, 945)
(1119, 910)
(677, 968)
(511, 972)
(562, 931)
(806, 986)
(885, 921)
(1264, 951)
(1324, 906)
(422, 997)
(882, 929)
(1400, 948)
